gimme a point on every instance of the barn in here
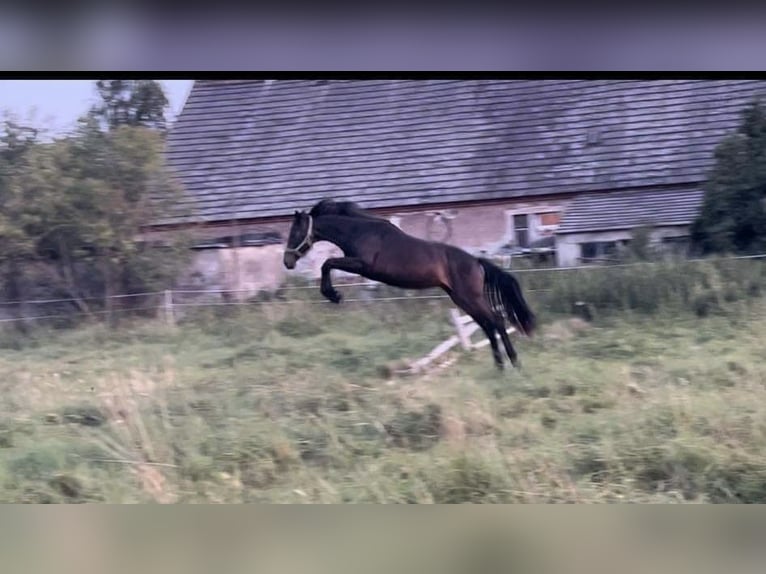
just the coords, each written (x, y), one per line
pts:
(495, 166)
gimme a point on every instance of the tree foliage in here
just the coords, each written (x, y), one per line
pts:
(131, 103)
(16, 141)
(78, 204)
(733, 215)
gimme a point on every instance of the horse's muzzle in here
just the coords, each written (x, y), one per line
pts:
(290, 260)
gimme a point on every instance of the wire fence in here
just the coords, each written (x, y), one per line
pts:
(168, 301)
(164, 308)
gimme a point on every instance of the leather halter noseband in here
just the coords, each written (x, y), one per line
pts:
(307, 241)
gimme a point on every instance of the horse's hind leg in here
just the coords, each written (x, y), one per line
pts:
(512, 355)
(483, 318)
(489, 331)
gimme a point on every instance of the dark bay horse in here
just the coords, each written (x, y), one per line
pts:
(376, 249)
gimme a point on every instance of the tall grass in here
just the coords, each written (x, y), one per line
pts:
(293, 401)
(700, 287)
(289, 403)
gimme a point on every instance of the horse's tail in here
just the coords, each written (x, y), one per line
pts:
(504, 294)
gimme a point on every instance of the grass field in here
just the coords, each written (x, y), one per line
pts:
(295, 403)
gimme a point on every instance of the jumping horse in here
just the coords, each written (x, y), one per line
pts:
(376, 249)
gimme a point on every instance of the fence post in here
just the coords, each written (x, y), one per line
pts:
(169, 315)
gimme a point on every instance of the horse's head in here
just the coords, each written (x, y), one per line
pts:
(300, 239)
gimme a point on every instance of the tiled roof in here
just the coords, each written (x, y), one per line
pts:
(257, 148)
(629, 209)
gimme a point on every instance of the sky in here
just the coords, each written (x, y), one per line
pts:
(55, 105)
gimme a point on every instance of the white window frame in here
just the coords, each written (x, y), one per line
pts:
(533, 221)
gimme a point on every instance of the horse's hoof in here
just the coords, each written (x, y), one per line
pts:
(332, 296)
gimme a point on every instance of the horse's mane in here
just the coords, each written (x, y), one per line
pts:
(347, 208)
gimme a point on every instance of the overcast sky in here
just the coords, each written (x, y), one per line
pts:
(55, 105)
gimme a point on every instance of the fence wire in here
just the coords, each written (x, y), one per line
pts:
(80, 314)
(175, 303)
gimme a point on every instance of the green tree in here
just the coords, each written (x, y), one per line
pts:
(86, 198)
(54, 215)
(131, 103)
(733, 215)
(124, 186)
(16, 141)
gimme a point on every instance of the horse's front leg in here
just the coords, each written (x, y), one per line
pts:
(348, 264)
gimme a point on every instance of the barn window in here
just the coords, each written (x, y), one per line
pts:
(525, 229)
(589, 250)
(521, 229)
(598, 250)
